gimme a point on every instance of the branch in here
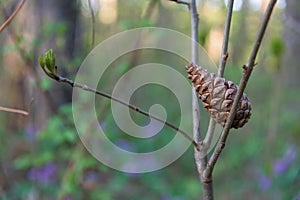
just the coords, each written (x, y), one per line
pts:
(223, 59)
(224, 54)
(18, 111)
(108, 96)
(12, 15)
(93, 23)
(12, 110)
(181, 2)
(194, 34)
(243, 82)
(200, 156)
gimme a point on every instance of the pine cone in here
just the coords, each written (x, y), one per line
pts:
(217, 95)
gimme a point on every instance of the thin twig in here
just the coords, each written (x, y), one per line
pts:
(12, 110)
(205, 144)
(18, 111)
(195, 59)
(224, 54)
(181, 2)
(12, 15)
(200, 159)
(223, 59)
(243, 82)
(108, 96)
(93, 23)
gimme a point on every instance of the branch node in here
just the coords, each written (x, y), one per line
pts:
(222, 145)
(85, 87)
(198, 149)
(206, 180)
(247, 69)
(225, 57)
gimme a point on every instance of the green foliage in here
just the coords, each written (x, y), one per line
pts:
(23, 162)
(46, 83)
(57, 28)
(20, 190)
(125, 24)
(276, 47)
(101, 194)
(123, 67)
(11, 48)
(191, 187)
(203, 35)
(146, 23)
(275, 51)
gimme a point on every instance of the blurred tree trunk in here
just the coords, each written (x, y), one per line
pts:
(240, 37)
(289, 79)
(285, 99)
(42, 25)
(60, 18)
(290, 67)
(21, 76)
(65, 12)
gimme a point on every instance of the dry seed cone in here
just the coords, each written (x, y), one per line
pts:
(217, 95)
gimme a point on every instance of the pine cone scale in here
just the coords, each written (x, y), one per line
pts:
(217, 95)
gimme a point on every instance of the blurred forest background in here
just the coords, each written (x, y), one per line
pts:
(41, 155)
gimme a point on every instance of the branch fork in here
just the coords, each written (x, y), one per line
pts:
(247, 70)
(204, 164)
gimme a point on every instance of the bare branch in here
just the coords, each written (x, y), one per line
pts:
(209, 136)
(194, 34)
(12, 110)
(243, 82)
(195, 102)
(108, 96)
(181, 2)
(224, 54)
(200, 157)
(17, 111)
(12, 15)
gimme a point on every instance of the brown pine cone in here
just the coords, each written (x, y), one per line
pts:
(217, 95)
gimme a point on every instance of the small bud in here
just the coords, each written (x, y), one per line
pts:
(50, 61)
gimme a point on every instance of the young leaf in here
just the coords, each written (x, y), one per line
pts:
(42, 61)
(50, 61)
